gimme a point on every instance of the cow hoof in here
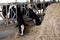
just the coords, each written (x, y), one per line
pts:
(21, 34)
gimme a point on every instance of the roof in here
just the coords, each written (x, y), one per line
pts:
(10, 1)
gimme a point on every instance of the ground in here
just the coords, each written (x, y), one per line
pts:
(48, 30)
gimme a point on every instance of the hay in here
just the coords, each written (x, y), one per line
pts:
(48, 30)
(51, 23)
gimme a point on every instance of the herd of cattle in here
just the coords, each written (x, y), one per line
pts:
(17, 12)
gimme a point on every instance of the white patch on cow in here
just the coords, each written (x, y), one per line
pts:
(38, 11)
(41, 10)
(1, 18)
(29, 6)
(34, 21)
(8, 14)
(22, 29)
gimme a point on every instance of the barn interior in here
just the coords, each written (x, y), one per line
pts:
(48, 12)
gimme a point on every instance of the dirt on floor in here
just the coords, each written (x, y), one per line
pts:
(48, 30)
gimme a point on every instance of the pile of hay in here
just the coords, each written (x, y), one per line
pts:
(48, 30)
(51, 23)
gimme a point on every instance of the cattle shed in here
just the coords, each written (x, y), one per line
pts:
(38, 5)
(8, 27)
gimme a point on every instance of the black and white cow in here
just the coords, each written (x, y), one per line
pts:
(33, 15)
(5, 10)
(20, 21)
(19, 14)
(28, 9)
(11, 11)
(35, 18)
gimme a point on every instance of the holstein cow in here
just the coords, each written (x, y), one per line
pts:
(5, 10)
(33, 15)
(19, 14)
(10, 13)
(20, 20)
(40, 10)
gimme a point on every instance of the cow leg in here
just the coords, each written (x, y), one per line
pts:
(34, 21)
(22, 29)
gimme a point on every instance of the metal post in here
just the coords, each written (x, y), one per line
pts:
(16, 9)
(43, 5)
(54, 1)
(27, 10)
(6, 17)
(58, 0)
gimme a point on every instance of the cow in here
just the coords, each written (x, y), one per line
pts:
(5, 10)
(11, 12)
(39, 10)
(16, 9)
(33, 15)
(20, 21)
